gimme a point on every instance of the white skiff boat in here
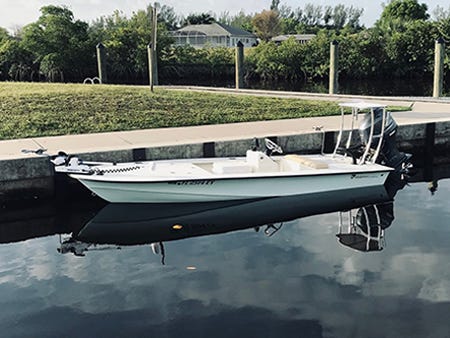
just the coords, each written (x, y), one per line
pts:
(254, 176)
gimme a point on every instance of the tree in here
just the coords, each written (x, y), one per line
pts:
(364, 54)
(15, 62)
(442, 22)
(317, 55)
(274, 5)
(288, 25)
(354, 15)
(242, 21)
(439, 13)
(58, 43)
(311, 18)
(168, 16)
(286, 12)
(405, 10)
(312, 15)
(410, 51)
(3, 35)
(339, 16)
(199, 19)
(126, 41)
(267, 24)
(327, 14)
(398, 12)
(224, 18)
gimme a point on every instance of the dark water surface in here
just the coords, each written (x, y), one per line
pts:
(297, 282)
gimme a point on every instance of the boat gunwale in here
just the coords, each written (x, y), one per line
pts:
(159, 180)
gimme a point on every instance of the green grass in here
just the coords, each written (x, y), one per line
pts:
(36, 109)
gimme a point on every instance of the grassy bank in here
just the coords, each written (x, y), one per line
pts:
(31, 109)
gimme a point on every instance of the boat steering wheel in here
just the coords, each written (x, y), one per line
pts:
(272, 147)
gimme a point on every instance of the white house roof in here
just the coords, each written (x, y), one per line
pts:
(213, 29)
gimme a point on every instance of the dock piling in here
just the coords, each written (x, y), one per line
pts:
(438, 67)
(334, 67)
(239, 65)
(101, 62)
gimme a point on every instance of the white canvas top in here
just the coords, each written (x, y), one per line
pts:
(362, 105)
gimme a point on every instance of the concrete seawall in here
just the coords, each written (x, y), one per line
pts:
(32, 176)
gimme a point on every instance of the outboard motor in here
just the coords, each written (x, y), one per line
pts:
(390, 155)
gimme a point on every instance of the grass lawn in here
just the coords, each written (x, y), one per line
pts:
(42, 109)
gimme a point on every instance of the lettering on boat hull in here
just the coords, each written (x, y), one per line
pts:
(194, 182)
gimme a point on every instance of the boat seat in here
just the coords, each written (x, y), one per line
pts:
(307, 161)
(261, 162)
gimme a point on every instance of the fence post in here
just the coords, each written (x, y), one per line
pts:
(101, 62)
(239, 65)
(438, 67)
(334, 67)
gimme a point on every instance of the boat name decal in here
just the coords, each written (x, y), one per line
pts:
(362, 176)
(194, 182)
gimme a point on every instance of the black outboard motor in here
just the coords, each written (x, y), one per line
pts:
(390, 155)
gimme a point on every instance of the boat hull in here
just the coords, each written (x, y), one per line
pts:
(229, 189)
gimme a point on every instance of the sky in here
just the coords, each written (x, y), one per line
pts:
(17, 13)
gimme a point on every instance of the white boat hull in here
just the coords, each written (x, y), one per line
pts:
(229, 189)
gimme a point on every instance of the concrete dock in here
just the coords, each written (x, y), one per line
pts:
(25, 175)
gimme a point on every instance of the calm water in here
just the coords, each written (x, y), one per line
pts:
(298, 282)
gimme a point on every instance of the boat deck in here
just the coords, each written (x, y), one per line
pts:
(254, 164)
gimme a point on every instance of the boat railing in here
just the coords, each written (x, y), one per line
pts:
(356, 109)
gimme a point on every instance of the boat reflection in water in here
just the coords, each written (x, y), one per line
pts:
(364, 228)
(118, 225)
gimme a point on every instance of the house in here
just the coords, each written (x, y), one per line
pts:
(213, 35)
(300, 38)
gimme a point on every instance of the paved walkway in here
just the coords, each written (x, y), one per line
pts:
(423, 110)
